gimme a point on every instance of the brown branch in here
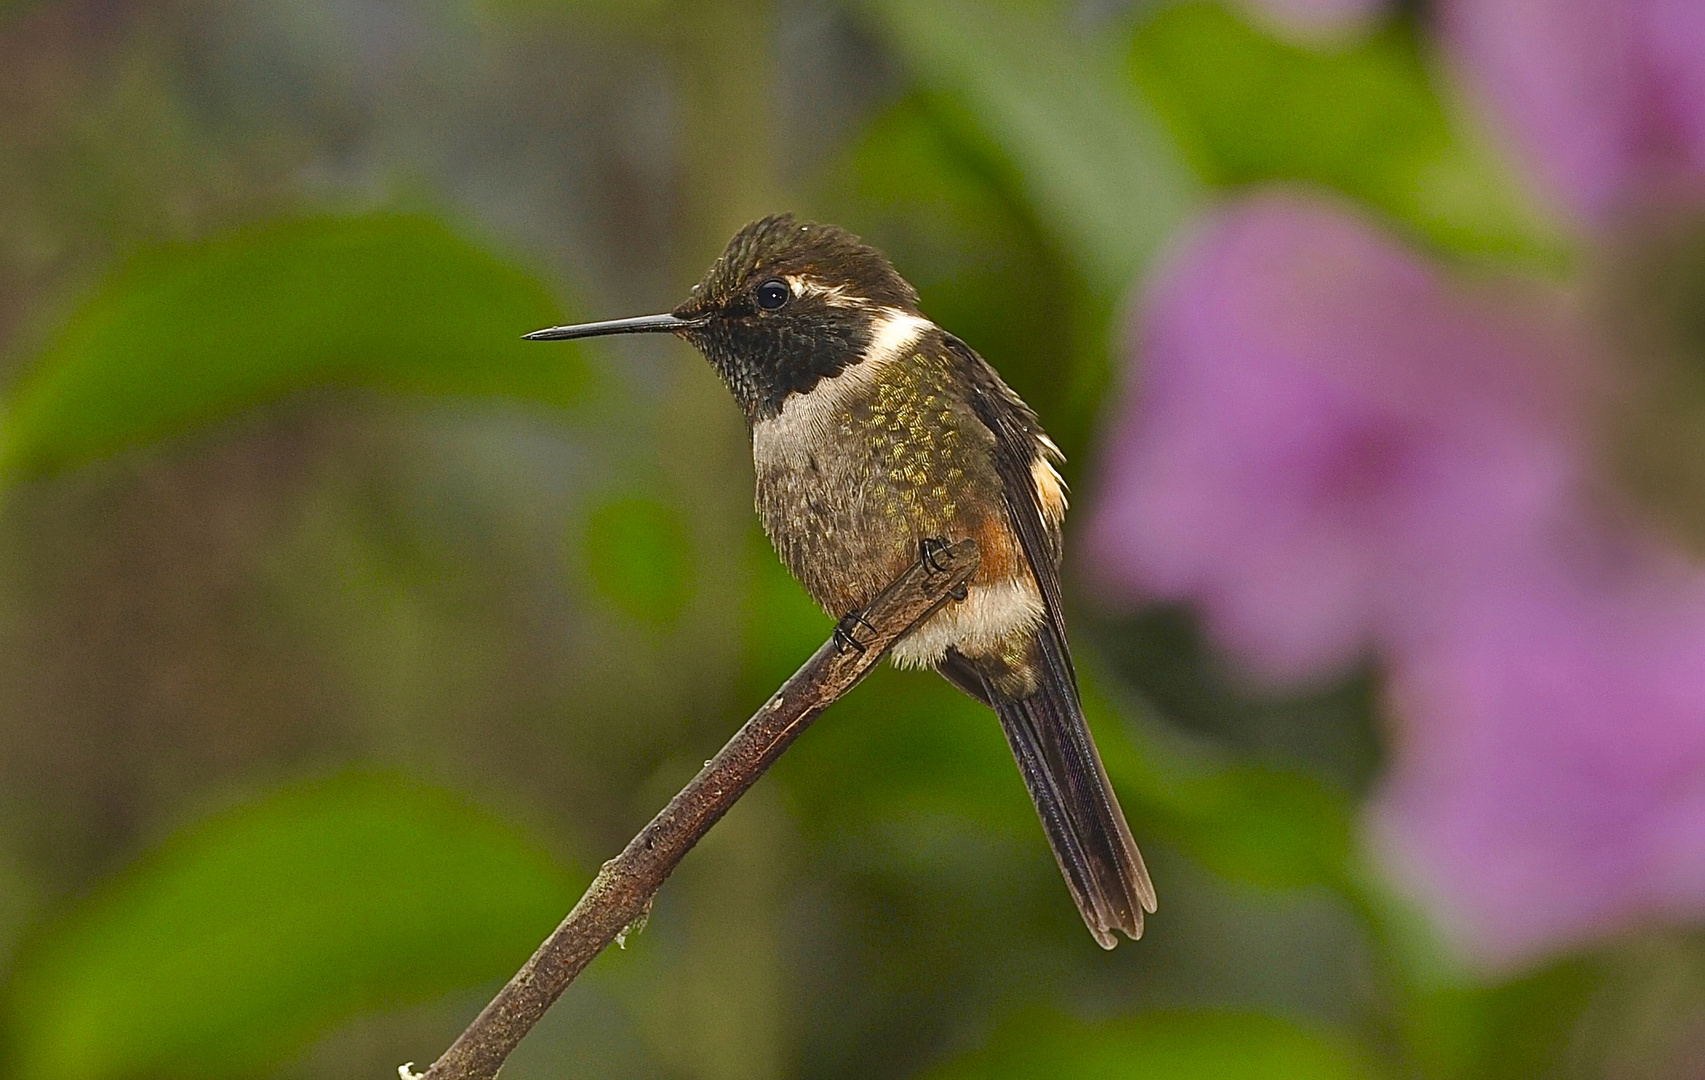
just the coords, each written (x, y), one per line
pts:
(623, 890)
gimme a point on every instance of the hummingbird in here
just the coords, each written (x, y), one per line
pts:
(877, 438)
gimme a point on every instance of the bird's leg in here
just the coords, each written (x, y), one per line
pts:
(928, 548)
(845, 638)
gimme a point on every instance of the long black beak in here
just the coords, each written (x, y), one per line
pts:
(644, 324)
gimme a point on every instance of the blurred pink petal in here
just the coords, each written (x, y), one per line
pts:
(1605, 99)
(1325, 431)
(1549, 785)
(1676, 29)
(1333, 452)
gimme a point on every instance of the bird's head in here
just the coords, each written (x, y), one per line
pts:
(787, 304)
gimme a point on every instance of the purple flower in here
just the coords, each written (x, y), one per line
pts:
(1550, 784)
(1335, 451)
(1325, 430)
(1604, 99)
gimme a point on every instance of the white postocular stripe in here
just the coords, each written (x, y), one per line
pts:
(833, 295)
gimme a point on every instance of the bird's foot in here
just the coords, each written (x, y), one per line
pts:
(846, 638)
(929, 548)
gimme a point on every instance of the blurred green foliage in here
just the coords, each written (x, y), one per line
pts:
(250, 932)
(1521, 1027)
(1366, 119)
(638, 554)
(1268, 826)
(1178, 1046)
(1086, 155)
(186, 335)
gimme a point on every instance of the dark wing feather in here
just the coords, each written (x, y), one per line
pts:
(1019, 440)
(1047, 731)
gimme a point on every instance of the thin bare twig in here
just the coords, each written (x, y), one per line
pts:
(623, 890)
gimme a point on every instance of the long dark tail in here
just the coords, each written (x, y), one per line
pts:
(1079, 811)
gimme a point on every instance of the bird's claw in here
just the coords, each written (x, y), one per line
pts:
(928, 549)
(845, 638)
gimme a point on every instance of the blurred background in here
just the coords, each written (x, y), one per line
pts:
(342, 634)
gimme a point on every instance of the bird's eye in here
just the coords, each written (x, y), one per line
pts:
(774, 294)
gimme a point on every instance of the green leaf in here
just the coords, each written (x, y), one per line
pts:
(188, 335)
(246, 935)
(1528, 1026)
(1261, 825)
(901, 744)
(1171, 1045)
(1096, 168)
(905, 743)
(639, 556)
(1365, 120)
